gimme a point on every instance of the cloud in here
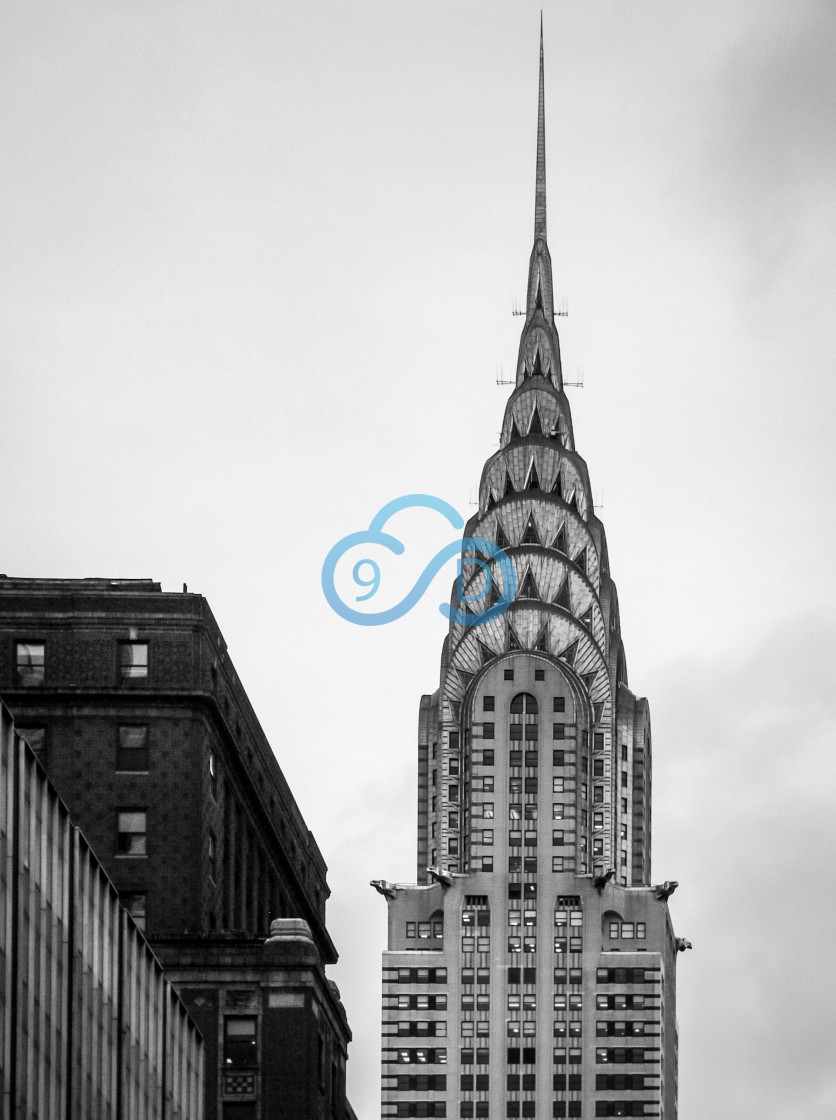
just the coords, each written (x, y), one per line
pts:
(744, 782)
(767, 155)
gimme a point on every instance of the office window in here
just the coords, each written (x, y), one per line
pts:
(487, 863)
(133, 660)
(558, 730)
(30, 663)
(131, 832)
(488, 730)
(132, 748)
(598, 767)
(240, 1046)
(487, 703)
(134, 902)
(597, 794)
(558, 837)
(508, 675)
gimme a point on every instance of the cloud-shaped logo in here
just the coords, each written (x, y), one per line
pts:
(366, 572)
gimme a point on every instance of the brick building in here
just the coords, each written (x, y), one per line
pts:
(131, 701)
(531, 969)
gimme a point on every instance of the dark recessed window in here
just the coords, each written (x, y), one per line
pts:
(559, 704)
(487, 703)
(134, 902)
(29, 663)
(35, 737)
(132, 749)
(131, 832)
(488, 730)
(240, 1048)
(133, 660)
(539, 674)
(509, 674)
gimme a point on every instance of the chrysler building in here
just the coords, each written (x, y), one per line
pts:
(530, 970)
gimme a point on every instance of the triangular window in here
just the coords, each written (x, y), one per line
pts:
(542, 642)
(487, 653)
(501, 538)
(535, 428)
(562, 598)
(533, 479)
(466, 678)
(513, 640)
(491, 501)
(586, 618)
(558, 486)
(493, 594)
(509, 486)
(530, 535)
(515, 431)
(538, 299)
(559, 541)
(537, 370)
(529, 587)
(569, 654)
(589, 679)
(580, 560)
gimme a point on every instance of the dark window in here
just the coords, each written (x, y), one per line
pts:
(487, 703)
(240, 1047)
(133, 660)
(524, 702)
(487, 757)
(134, 902)
(35, 737)
(132, 749)
(487, 730)
(559, 704)
(29, 663)
(131, 832)
(558, 730)
(509, 674)
(539, 674)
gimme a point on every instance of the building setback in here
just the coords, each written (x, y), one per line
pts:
(89, 1025)
(530, 972)
(129, 697)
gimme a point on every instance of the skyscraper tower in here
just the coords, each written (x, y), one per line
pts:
(531, 970)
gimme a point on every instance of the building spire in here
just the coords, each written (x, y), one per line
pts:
(540, 186)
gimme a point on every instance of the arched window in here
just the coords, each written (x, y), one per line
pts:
(524, 709)
(524, 702)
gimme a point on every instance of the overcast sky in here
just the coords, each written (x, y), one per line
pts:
(256, 274)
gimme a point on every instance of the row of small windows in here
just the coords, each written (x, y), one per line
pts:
(524, 701)
(528, 731)
(515, 1109)
(30, 662)
(487, 757)
(423, 930)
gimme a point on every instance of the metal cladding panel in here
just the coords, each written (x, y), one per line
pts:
(84, 1004)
